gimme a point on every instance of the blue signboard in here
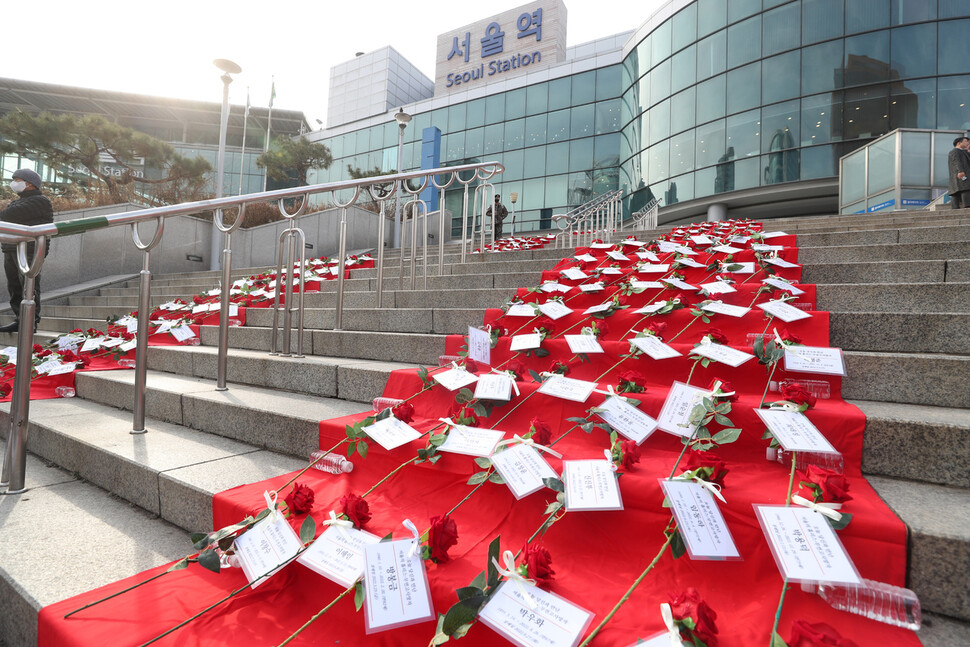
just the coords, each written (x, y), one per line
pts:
(881, 206)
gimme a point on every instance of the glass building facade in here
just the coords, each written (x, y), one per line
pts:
(722, 96)
(709, 101)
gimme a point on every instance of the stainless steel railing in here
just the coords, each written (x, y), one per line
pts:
(14, 464)
(645, 217)
(598, 216)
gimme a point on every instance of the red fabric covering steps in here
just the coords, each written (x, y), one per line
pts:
(596, 555)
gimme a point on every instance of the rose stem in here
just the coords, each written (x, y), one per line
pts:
(316, 616)
(784, 586)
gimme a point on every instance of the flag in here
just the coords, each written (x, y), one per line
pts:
(247, 103)
(272, 93)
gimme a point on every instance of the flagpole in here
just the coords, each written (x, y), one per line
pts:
(242, 157)
(269, 125)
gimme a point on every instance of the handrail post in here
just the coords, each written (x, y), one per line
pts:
(223, 356)
(464, 223)
(380, 256)
(342, 259)
(14, 474)
(141, 339)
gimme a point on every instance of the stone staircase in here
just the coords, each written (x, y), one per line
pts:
(104, 504)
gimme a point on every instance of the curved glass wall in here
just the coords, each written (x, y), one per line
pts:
(725, 96)
(559, 141)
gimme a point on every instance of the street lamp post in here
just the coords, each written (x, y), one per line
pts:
(403, 119)
(227, 67)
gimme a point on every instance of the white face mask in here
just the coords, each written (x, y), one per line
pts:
(18, 186)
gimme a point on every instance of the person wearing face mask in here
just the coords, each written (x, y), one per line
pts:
(30, 208)
(500, 213)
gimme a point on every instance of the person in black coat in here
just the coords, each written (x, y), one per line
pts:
(30, 208)
(958, 161)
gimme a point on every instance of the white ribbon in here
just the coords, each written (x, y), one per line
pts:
(517, 439)
(668, 616)
(270, 498)
(515, 387)
(454, 425)
(713, 488)
(341, 524)
(514, 576)
(609, 391)
(785, 406)
(609, 459)
(830, 510)
(717, 385)
(781, 344)
(416, 542)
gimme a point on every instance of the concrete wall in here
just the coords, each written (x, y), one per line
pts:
(106, 252)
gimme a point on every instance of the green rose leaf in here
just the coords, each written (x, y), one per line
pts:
(209, 559)
(359, 595)
(727, 436)
(308, 530)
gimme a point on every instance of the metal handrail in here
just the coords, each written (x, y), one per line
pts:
(13, 475)
(645, 217)
(599, 214)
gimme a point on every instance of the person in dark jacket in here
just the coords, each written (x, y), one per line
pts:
(959, 166)
(500, 214)
(30, 208)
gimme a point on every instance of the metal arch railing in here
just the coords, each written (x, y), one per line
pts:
(645, 217)
(14, 464)
(601, 214)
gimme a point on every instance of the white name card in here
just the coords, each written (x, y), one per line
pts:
(61, 369)
(183, 332)
(591, 287)
(471, 441)
(794, 431)
(574, 274)
(814, 359)
(338, 554)
(718, 287)
(761, 247)
(646, 285)
(391, 432)
(689, 262)
(741, 268)
(628, 421)
(525, 342)
(567, 388)
(110, 342)
(782, 284)
(554, 310)
(491, 386)
(266, 547)
(396, 592)
(725, 309)
(780, 262)
(699, 520)
(701, 240)
(723, 354)
(547, 621)
(655, 348)
(91, 345)
(454, 378)
(652, 308)
(588, 258)
(804, 545)
(521, 310)
(654, 268)
(479, 345)
(611, 270)
(666, 246)
(523, 469)
(772, 234)
(646, 255)
(675, 414)
(602, 307)
(555, 287)
(617, 256)
(726, 249)
(784, 311)
(591, 485)
(682, 285)
(583, 344)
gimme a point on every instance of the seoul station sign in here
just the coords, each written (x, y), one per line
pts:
(511, 43)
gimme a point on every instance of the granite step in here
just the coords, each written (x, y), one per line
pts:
(938, 518)
(894, 297)
(933, 379)
(871, 253)
(901, 332)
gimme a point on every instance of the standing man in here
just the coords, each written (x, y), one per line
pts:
(500, 213)
(30, 208)
(958, 161)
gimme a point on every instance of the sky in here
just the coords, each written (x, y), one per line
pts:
(167, 48)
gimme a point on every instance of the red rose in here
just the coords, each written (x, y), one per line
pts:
(631, 454)
(558, 366)
(463, 415)
(657, 327)
(442, 535)
(404, 412)
(726, 387)
(716, 470)
(601, 327)
(690, 605)
(197, 299)
(631, 382)
(819, 634)
(471, 365)
(300, 499)
(834, 487)
(356, 509)
(38, 348)
(716, 335)
(547, 325)
(538, 563)
(541, 432)
(5, 389)
(787, 336)
(516, 367)
(75, 331)
(795, 392)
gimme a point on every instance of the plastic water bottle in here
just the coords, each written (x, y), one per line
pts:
(381, 403)
(192, 341)
(65, 391)
(833, 461)
(234, 322)
(445, 360)
(332, 463)
(821, 389)
(126, 363)
(893, 605)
